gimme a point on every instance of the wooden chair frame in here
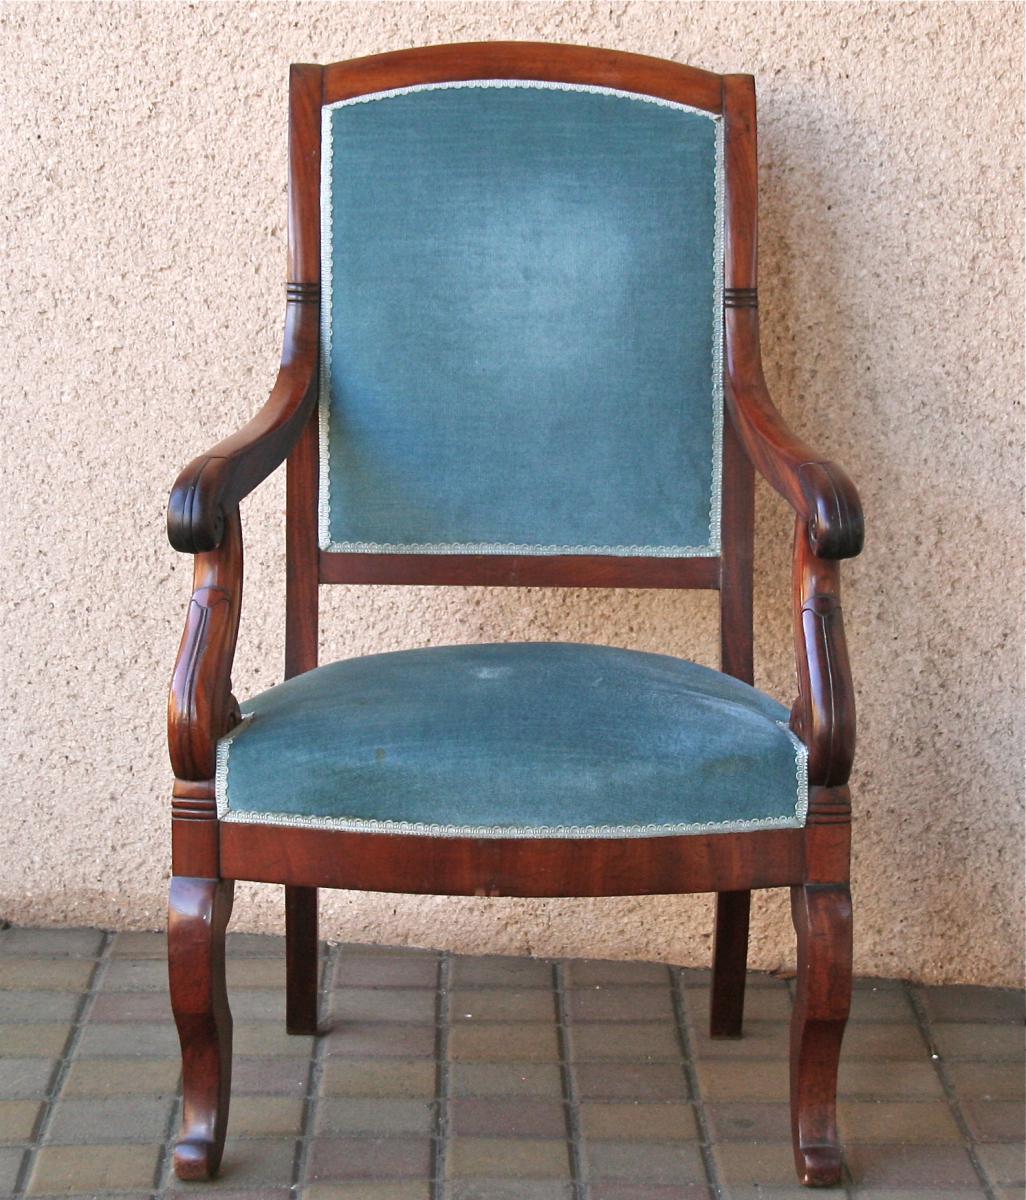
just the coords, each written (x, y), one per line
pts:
(203, 520)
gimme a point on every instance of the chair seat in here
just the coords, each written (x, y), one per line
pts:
(535, 739)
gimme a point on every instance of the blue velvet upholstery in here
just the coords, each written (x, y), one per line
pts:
(522, 322)
(528, 739)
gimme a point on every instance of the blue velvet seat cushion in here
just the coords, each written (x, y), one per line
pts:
(521, 322)
(535, 739)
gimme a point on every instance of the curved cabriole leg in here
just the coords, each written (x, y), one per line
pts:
(822, 919)
(301, 960)
(199, 912)
(730, 961)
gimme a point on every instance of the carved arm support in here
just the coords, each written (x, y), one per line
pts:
(211, 486)
(818, 490)
(824, 713)
(201, 707)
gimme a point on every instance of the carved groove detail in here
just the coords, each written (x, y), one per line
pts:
(829, 806)
(740, 297)
(302, 293)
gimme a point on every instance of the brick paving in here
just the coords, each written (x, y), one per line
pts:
(443, 1077)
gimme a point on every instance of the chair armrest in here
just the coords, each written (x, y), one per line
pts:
(212, 485)
(818, 490)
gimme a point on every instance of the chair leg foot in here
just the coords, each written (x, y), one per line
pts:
(302, 962)
(823, 921)
(730, 961)
(198, 914)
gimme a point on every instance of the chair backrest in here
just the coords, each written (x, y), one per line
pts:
(520, 255)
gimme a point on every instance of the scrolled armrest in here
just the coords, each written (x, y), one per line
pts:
(212, 485)
(818, 490)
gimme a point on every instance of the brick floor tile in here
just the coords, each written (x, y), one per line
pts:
(1008, 1193)
(724, 1079)
(910, 1166)
(584, 973)
(987, 1081)
(916, 1193)
(96, 1120)
(881, 1004)
(700, 978)
(501, 1004)
(509, 1189)
(269, 1076)
(261, 972)
(139, 945)
(380, 1039)
(498, 972)
(266, 1116)
(10, 1166)
(255, 945)
(115, 1040)
(36, 1007)
(921, 1122)
(762, 1039)
(651, 1191)
(630, 1081)
(18, 1119)
(368, 1189)
(620, 1004)
(222, 1190)
(263, 1162)
(762, 1163)
(386, 1077)
(121, 1077)
(507, 1116)
(135, 975)
(875, 1040)
(272, 1040)
(633, 1122)
(51, 943)
(382, 971)
(505, 1079)
(369, 1158)
(642, 1042)
(24, 1078)
(507, 1042)
(131, 1006)
(979, 1040)
(973, 1004)
(23, 1040)
(761, 1004)
(507, 1158)
(409, 1005)
(66, 1170)
(373, 949)
(879, 1080)
(747, 1121)
(755, 1191)
(256, 1004)
(643, 1162)
(993, 1120)
(1004, 1162)
(46, 974)
(386, 1116)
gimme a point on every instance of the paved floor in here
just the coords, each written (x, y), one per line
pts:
(450, 1078)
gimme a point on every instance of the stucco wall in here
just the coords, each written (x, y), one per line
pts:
(143, 218)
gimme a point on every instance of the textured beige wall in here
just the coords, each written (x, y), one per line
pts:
(143, 218)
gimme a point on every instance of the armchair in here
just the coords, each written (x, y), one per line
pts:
(521, 348)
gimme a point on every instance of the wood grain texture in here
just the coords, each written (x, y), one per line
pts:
(198, 914)
(823, 922)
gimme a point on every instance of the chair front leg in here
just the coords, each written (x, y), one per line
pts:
(199, 912)
(301, 960)
(823, 921)
(730, 961)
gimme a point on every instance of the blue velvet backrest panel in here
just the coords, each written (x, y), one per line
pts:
(521, 343)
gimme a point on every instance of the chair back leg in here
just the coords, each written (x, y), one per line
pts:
(730, 961)
(302, 961)
(823, 921)
(198, 914)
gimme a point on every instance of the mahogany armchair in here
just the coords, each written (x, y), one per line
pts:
(521, 348)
